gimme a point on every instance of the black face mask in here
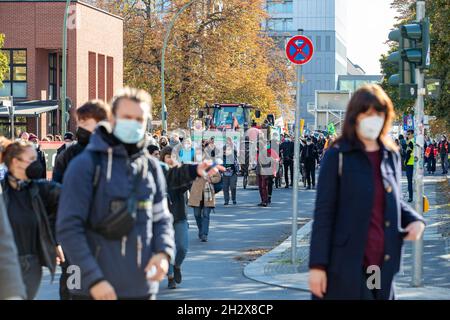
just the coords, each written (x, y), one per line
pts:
(34, 171)
(83, 136)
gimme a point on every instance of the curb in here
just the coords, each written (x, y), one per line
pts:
(258, 272)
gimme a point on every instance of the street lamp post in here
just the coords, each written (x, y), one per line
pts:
(64, 72)
(163, 63)
(9, 104)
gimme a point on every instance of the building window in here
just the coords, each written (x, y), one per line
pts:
(347, 85)
(280, 6)
(52, 81)
(319, 43)
(328, 43)
(109, 78)
(101, 77)
(92, 78)
(280, 25)
(15, 82)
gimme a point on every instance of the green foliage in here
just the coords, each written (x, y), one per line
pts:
(439, 13)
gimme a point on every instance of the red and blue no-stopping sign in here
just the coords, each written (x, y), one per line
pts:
(299, 49)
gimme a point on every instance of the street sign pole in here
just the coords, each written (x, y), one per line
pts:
(418, 159)
(299, 50)
(296, 164)
(296, 168)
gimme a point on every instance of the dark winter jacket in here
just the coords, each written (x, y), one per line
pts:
(42, 161)
(61, 150)
(342, 217)
(120, 262)
(309, 155)
(10, 274)
(179, 181)
(443, 147)
(287, 150)
(63, 159)
(44, 197)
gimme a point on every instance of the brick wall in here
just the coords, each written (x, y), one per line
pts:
(106, 42)
(37, 26)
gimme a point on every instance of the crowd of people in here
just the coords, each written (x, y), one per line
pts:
(117, 204)
(113, 217)
(435, 150)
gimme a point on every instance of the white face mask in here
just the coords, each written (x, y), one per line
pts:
(370, 127)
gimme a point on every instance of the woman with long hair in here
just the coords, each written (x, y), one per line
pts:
(360, 219)
(32, 205)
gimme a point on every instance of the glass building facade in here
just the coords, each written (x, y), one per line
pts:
(323, 21)
(354, 82)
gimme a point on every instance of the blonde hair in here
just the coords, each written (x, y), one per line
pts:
(133, 94)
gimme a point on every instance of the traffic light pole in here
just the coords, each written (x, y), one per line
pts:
(418, 159)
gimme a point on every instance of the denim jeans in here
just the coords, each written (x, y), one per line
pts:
(230, 183)
(181, 243)
(31, 274)
(201, 215)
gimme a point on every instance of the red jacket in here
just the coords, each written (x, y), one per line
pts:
(431, 151)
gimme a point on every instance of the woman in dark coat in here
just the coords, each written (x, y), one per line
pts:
(360, 219)
(31, 205)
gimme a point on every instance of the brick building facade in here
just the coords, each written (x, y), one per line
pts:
(33, 43)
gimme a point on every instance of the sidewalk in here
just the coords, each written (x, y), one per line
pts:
(275, 268)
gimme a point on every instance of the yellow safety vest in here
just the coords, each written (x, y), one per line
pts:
(411, 157)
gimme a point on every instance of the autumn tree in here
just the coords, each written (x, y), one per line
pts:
(216, 53)
(4, 68)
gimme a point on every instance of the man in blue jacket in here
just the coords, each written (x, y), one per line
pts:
(115, 177)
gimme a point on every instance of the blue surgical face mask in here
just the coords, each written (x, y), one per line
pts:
(129, 131)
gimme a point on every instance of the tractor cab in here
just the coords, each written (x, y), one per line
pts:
(228, 116)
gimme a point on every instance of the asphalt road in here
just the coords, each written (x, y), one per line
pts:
(214, 270)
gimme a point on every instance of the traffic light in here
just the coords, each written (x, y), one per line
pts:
(418, 34)
(414, 52)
